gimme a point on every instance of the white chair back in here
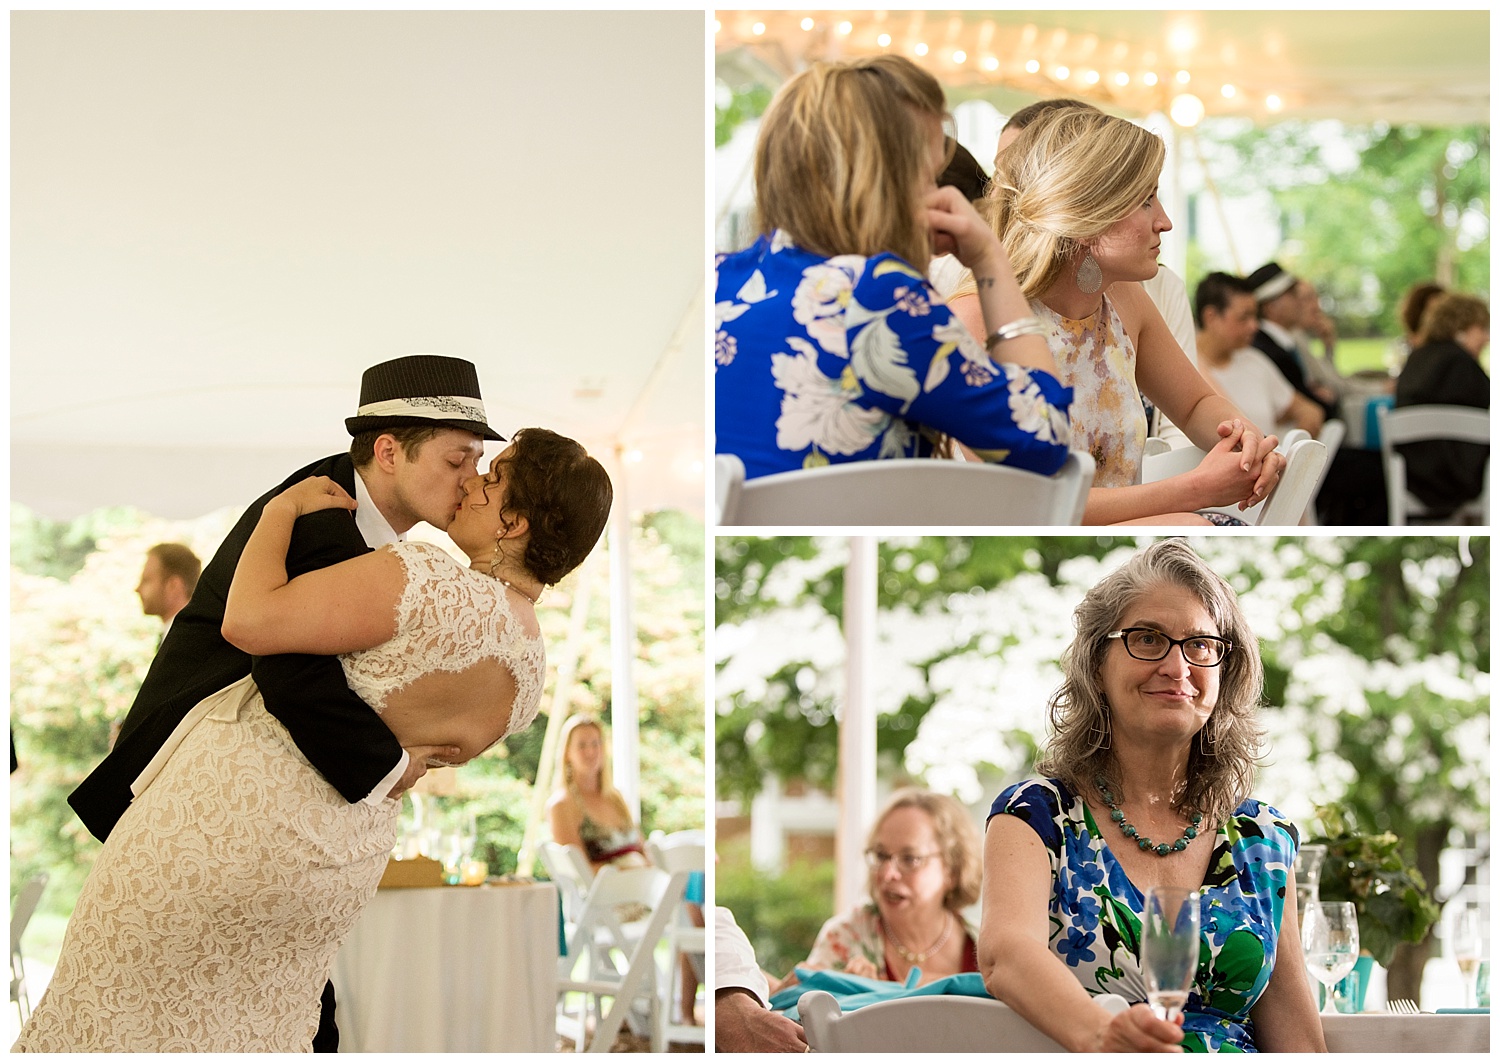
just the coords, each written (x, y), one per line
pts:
(681, 851)
(653, 890)
(1331, 435)
(1305, 458)
(917, 491)
(926, 1025)
(1412, 424)
(29, 896)
(729, 479)
(568, 867)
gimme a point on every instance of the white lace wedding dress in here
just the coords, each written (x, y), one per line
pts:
(211, 918)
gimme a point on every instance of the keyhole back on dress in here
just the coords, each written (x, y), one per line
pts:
(470, 708)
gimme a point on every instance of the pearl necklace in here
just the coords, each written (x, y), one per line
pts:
(1130, 832)
(917, 957)
(508, 584)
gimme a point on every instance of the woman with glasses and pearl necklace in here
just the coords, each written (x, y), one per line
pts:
(923, 856)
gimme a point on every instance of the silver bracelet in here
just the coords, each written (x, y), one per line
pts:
(1021, 326)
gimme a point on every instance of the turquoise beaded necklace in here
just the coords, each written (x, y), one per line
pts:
(1146, 844)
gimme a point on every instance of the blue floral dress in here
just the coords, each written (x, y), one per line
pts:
(820, 360)
(1096, 911)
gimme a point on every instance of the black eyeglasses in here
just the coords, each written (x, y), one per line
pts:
(1148, 644)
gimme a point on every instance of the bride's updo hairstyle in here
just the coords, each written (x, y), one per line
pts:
(564, 495)
(841, 160)
(1066, 180)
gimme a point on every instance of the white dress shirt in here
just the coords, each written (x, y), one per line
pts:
(734, 959)
(376, 532)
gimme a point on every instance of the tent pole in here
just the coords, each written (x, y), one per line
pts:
(623, 714)
(857, 728)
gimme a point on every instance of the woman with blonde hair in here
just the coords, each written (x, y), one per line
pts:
(585, 808)
(830, 346)
(924, 858)
(1074, 201)
(1444, 370)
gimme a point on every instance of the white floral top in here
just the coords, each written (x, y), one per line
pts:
(1097, 360)
(820, 360)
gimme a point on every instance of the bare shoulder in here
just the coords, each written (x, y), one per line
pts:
(1129, 299)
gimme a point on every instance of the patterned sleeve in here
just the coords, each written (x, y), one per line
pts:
(1264, 844)
(1038, 804)
(844, 937)
(915, 359)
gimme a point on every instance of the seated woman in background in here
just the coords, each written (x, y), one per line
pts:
(585, 808)
(1444, 370)
(1144, 782)
(830, 346)
(923, 855)
(1074, 202)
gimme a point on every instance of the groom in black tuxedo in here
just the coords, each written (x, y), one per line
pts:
(418, 435)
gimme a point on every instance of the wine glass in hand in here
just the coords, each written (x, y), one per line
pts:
(1468, 948)
(1169, 947)
(1330, 944)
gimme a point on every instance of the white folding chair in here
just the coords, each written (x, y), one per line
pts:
(1305, 460)
(729, 479)
(658, 893)
(20, 915)
(682, 850)
(1412, 424)
(917, 491)
(1331, 435)
(927, 1025)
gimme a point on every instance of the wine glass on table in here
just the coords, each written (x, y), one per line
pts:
(1330, 945)
(1169, 947)
(1468, 950)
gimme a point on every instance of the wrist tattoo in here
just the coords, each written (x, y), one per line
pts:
(984, 282)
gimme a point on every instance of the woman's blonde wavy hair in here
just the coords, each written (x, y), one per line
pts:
(1069, 176)
(957, 837)
(842, 158)
(564, 779)
(1221, 765)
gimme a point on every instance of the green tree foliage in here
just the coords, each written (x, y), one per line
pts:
(1412, 205)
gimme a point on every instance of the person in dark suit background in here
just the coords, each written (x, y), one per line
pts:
(418, 435)
(1444, 370)
(1281, 310)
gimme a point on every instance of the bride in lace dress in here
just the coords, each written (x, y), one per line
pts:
(213, 913)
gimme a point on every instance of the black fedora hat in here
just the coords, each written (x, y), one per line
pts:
(1270, 281)
(421, 389)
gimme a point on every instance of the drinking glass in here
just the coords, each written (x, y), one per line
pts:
(1330, 945)
(1309, 869)
(1169, 947)
(1468, 950)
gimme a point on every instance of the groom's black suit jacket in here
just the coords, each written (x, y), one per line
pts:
(338, 733)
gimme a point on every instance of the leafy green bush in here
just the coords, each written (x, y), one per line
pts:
(780, 914)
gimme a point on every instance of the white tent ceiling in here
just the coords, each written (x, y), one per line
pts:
(219, 219)
(1428, 66)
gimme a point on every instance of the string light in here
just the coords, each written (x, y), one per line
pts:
(845, 28)
(1228, 91)
(1032, 66)
(960, 56)
(758, 29)
(921, 48)
(1183, 77)
(1062, 73)
(1122, 79)
(1149, 78)
(807, 24)
(1273, 102)
(718, 26)
(1187, 110)
(990, 63)
(1091, 77)
(884, 40)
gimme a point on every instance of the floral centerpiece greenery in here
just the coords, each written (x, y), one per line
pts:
(1389, 894)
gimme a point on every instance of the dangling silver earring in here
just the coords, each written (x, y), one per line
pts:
(1090, 277)
(1099, 734)
(499, 555)
(1206, 749)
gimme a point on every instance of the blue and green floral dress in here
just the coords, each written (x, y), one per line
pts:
(1096, 911)
(821, 360)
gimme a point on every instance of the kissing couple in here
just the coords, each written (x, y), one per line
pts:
(250, 803)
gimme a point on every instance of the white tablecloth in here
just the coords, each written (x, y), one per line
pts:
(1407, 1033)
(451, 969)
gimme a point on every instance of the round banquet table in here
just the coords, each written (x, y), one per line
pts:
(451, 969)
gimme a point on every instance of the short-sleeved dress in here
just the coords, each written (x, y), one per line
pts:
(212, 915)
(1096, 911)
(822, 360)
(857, 933)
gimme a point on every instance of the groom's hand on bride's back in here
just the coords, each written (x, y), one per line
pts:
(418, 763)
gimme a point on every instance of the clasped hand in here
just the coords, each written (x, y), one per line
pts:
(1242, 468)
(312, 494)
(957, 229)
